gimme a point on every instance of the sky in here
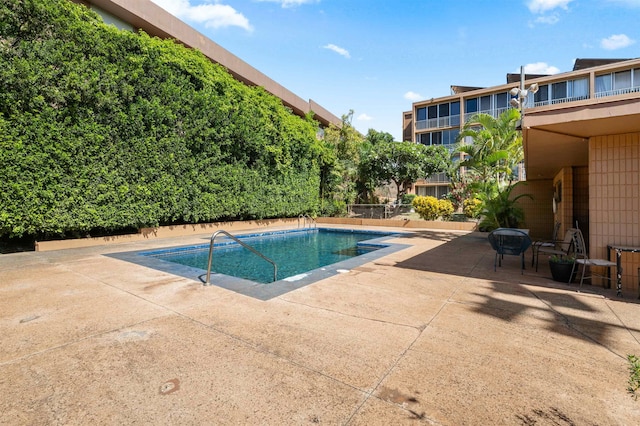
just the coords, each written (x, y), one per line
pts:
(377, 57)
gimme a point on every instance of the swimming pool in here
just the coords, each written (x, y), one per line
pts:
(309, 255)
(294, 253)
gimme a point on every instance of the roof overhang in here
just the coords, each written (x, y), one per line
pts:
(557, 136)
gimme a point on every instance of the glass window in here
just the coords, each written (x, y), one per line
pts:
(579, 88)
(559, 90)
(436, 138)
(433, 112)
(455, 106)
(421, 113)
(455, 112)
(443, 110)
(424, 138)
(485, 103)
(471, 105)
(622, 80)
(502, 100)
(603, 83)
(636, 77)
(543, 94)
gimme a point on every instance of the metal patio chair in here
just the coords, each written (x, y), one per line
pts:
(536, 245)
(560, 248)
(583, 259)
(511, 242)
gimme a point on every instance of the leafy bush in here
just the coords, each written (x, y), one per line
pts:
(634, 375)
(502, 211)
(407, 198)
(445, 209)
(472, 207)
(427, 207)
(103, 130)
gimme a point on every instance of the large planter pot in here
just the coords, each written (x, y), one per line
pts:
(561, 271)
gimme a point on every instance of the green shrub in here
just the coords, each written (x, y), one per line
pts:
(407, 198)
(103, 130)
(445, 209)
(472, 207)
(427, 207)
(634, 375)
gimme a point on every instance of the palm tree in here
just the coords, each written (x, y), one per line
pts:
(496, 147)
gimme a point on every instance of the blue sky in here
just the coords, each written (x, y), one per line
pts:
(377, 57)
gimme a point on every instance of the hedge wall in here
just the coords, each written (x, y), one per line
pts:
(104, 130)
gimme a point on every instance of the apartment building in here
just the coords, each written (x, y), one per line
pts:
(581, 140)
(147, 16)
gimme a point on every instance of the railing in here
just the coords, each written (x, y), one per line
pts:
(304, 218)
(438, 123)
(617, 92)
(248, 247)
(377, 211)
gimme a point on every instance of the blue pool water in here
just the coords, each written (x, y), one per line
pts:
(294, 252)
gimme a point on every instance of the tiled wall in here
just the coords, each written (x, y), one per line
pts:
(614, 200)
(538, 209)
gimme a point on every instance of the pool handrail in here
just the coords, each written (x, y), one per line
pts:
(304, 217)
(247, 246)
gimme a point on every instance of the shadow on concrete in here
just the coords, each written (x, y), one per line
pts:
(566, 312)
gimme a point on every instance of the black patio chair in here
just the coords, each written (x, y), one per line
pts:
(511, 242)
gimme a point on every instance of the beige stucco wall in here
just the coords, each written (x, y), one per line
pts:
(614, 199)
(538, 212)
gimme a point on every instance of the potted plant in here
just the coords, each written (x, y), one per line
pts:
(561, 267)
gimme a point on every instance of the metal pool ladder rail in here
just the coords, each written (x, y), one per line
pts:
(213, 237)
(304, 218)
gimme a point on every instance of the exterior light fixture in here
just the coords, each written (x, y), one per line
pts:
(519, 95)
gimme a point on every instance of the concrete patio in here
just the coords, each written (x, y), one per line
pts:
(427, 335)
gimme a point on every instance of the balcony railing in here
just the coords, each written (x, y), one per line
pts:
(438, 123)
(495, 113)
(560, 100)
(617, 92)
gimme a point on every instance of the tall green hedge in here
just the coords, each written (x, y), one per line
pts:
(102, 129)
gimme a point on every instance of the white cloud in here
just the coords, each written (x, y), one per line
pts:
(339, 50)
(212, 15)
(616, 41)
(540, 68)
(549, 19)
(541, 6)
(291, 3)
(364, 117)
(413, 96)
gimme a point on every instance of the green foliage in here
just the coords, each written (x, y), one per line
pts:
(408, 198)
(402, 163)
(102, 130)
(445, 209)
(339, 164)
(634, 375)
(495, 151)
(566, 260)
(502, 211)
(472, 207)
(427, 207)
(374, 137)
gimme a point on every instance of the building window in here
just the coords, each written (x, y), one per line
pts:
(421, 114)
(471, 105)
(542, 96)
(558, 92)
(485, 104)
(455, 113)
(579, 89)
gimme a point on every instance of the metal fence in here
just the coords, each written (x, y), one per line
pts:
(378, 211)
